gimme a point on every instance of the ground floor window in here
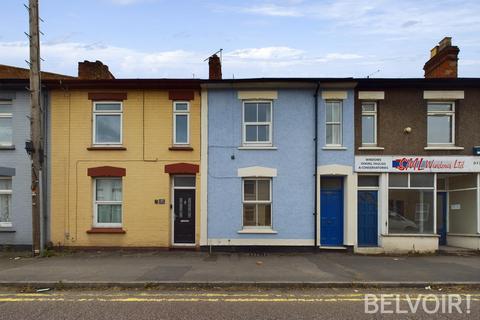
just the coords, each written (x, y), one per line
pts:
(257, 203)
(108, 202)
(411, 203)
(5, 202)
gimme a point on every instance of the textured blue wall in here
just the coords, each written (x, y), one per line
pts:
(293, 188)
(18, 159)
(343, 157)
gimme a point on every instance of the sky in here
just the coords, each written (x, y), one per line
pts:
(259, 38)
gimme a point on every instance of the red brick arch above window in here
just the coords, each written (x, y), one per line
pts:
(182, 168)
(106, 171)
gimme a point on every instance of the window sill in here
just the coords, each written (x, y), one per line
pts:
(103, 148)
(7, 229)
(371, 148)
(444, 148)
(423, 235)
(106, 230)
(12, 147)
(257, 231)
(180, 148)
(334, 148)
(257, 148)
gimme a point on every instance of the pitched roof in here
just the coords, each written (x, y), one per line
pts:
(11, 72)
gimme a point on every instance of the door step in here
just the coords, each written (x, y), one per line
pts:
(333, 247)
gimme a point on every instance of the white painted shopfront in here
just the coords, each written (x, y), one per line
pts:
(422, 202)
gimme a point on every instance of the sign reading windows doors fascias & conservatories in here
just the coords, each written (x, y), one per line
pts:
(440, 164)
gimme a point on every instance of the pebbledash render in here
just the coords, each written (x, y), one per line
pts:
(125, 163)
(417, 146)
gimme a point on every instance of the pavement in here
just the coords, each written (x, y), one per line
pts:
(245, 304)
(140, 269)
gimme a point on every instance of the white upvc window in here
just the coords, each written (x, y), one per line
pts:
(107, 123)
(5, 201)
(6, 130)
(107, 202)
(257, 203)
(441, 123)
(369, 123)
(257, 123)
(181, 122)
(333, 123)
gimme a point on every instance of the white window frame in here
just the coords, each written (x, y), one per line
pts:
(340, 123)
(267, 123)
(409, 187)
(183, 113)
(7, 115)
(7, 192)
(96, 202)
(107, 113)
(450, 113)
(374, 114)
(270, 201)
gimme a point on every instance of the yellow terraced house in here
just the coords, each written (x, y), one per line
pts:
(125, 160)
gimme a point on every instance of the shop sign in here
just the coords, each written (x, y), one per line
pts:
(417, 164)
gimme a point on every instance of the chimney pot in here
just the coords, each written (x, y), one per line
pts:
(214, 68)
(443, 61)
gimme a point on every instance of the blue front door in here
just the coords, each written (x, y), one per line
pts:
(331, 211)
(367, 218)
(442, 217)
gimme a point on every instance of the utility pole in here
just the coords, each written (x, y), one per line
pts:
(36, 147)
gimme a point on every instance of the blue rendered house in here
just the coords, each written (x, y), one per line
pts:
(277, 163)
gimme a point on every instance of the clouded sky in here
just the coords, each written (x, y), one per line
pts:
(284, 38)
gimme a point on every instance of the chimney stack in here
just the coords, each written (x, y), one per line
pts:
(443, 61)
(93, 71)
(214, 68)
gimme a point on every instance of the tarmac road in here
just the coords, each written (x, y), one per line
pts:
(233, 304)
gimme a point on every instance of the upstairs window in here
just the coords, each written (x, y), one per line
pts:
(257, 203)
(257, 122)
(108, 202)
(181, 122)
(107, 123)
(5, 202)
(441, 123)
(333, 123)
(6, 138)
(369, 124)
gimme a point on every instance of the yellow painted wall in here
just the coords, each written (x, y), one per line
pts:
(147, 136)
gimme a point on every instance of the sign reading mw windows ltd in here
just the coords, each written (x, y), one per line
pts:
(417, 164)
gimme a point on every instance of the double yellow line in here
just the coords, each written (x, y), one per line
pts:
(202, 297)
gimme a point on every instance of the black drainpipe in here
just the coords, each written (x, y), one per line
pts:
(315, 211)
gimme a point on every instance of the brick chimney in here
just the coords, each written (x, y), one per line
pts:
(443, 61)
(93, 71)
(214, 68)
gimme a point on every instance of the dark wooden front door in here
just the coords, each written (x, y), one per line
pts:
(184, 212)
